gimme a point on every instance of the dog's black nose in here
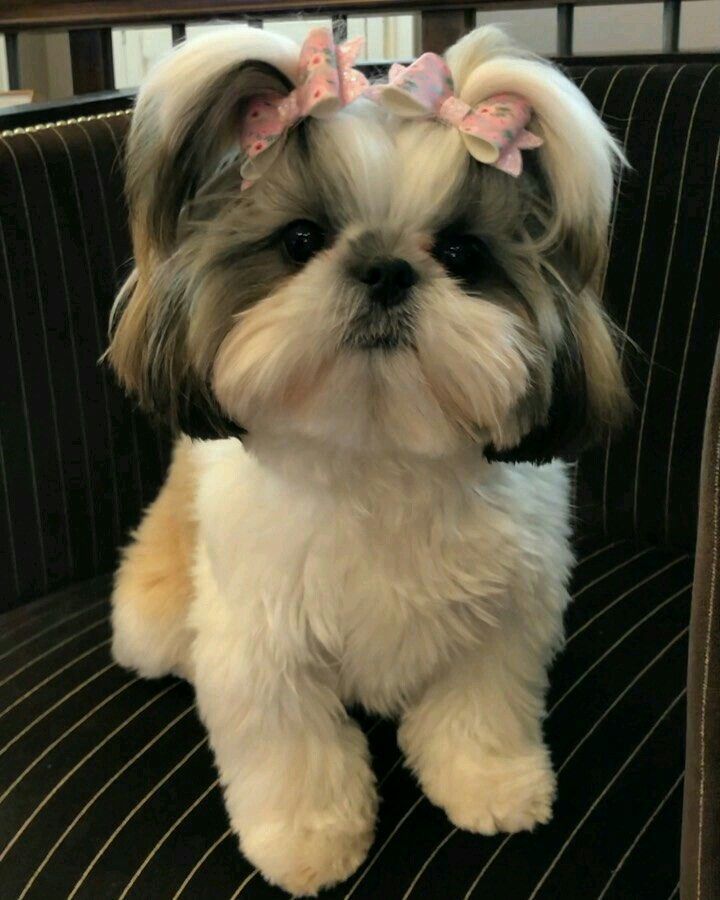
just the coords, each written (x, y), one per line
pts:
(389, 280)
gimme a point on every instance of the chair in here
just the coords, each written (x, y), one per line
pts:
(107, 787)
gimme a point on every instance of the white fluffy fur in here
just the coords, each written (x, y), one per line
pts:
(358, 547)
(431, 590)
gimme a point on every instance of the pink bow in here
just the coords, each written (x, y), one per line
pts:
(327, 82)
(494, 132)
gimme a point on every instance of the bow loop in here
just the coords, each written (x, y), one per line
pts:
(417, 90)
(493, 132)
(327, 83)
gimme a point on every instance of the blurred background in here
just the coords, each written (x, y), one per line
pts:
(43, 57)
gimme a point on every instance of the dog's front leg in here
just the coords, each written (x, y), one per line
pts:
(475, 743)
(298, 786)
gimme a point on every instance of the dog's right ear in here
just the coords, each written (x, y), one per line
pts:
(186, 122)
(185, 128)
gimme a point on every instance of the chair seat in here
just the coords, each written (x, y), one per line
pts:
(107, 787)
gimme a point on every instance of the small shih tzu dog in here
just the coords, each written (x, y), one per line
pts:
(369, 314)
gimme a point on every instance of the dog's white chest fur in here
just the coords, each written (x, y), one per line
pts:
(382, 579)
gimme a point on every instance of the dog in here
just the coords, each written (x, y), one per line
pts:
(373, 325)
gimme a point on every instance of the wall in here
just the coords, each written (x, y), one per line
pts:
(44, 64)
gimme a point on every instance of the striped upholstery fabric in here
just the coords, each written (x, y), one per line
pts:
(107, 787)
(662, 288)
(76, 465)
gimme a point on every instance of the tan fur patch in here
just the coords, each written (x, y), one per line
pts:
(607, 394)
(156, 572)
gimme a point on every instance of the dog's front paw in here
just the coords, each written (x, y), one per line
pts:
(304, 858)
(488, 793)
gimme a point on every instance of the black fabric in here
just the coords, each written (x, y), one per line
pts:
(662, 289)
(76, 465)
(107, 787)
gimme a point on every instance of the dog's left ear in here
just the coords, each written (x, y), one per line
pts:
(589, 399)
(569, 182)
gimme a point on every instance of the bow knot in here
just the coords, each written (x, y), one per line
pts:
(327, 83)
(493, 132)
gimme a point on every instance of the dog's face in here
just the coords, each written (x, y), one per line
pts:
(377, 288)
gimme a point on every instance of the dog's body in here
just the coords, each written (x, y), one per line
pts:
(358, 546)
(432, 592)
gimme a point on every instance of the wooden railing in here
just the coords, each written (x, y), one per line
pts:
(89, 23)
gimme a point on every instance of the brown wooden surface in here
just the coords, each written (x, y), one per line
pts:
(12, 54)
(22, 14)
(671, 25)
(565, 28)
(92, 60)
(178, 32)
(439, 28)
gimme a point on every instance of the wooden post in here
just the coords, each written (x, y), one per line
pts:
(13, 59)
(671, 26)
(441, 28)
(178, 33)
(92, 61)
(565, 16)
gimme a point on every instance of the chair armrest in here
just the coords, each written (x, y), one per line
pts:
(700, 859)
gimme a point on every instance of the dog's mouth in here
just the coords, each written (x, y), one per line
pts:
(381, 330)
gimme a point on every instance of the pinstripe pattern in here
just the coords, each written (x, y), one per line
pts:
(156, 787)
(682, 634)
(638, 836)
(84, 780)
(52, 649)
(660, 283)
(100, 340)
(48, 856)
(616, 206)
(23, 621)
(61, 737)
(567, 759)
(9, 522)
(199, 864)
(76, 474)
(69, 322)
(57, 673)
(641, 240)
(18, 645)
(686, 347)
(661, 308)
(243, 884)
(175, 825)
(600, 796)
(106, 126)
(618, 186)
(25, 421)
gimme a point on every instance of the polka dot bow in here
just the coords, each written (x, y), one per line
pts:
(493, 132)
(327, 83)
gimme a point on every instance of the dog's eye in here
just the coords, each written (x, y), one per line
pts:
(302, 239)
(463, 255)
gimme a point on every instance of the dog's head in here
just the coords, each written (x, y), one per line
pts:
(377, 288)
